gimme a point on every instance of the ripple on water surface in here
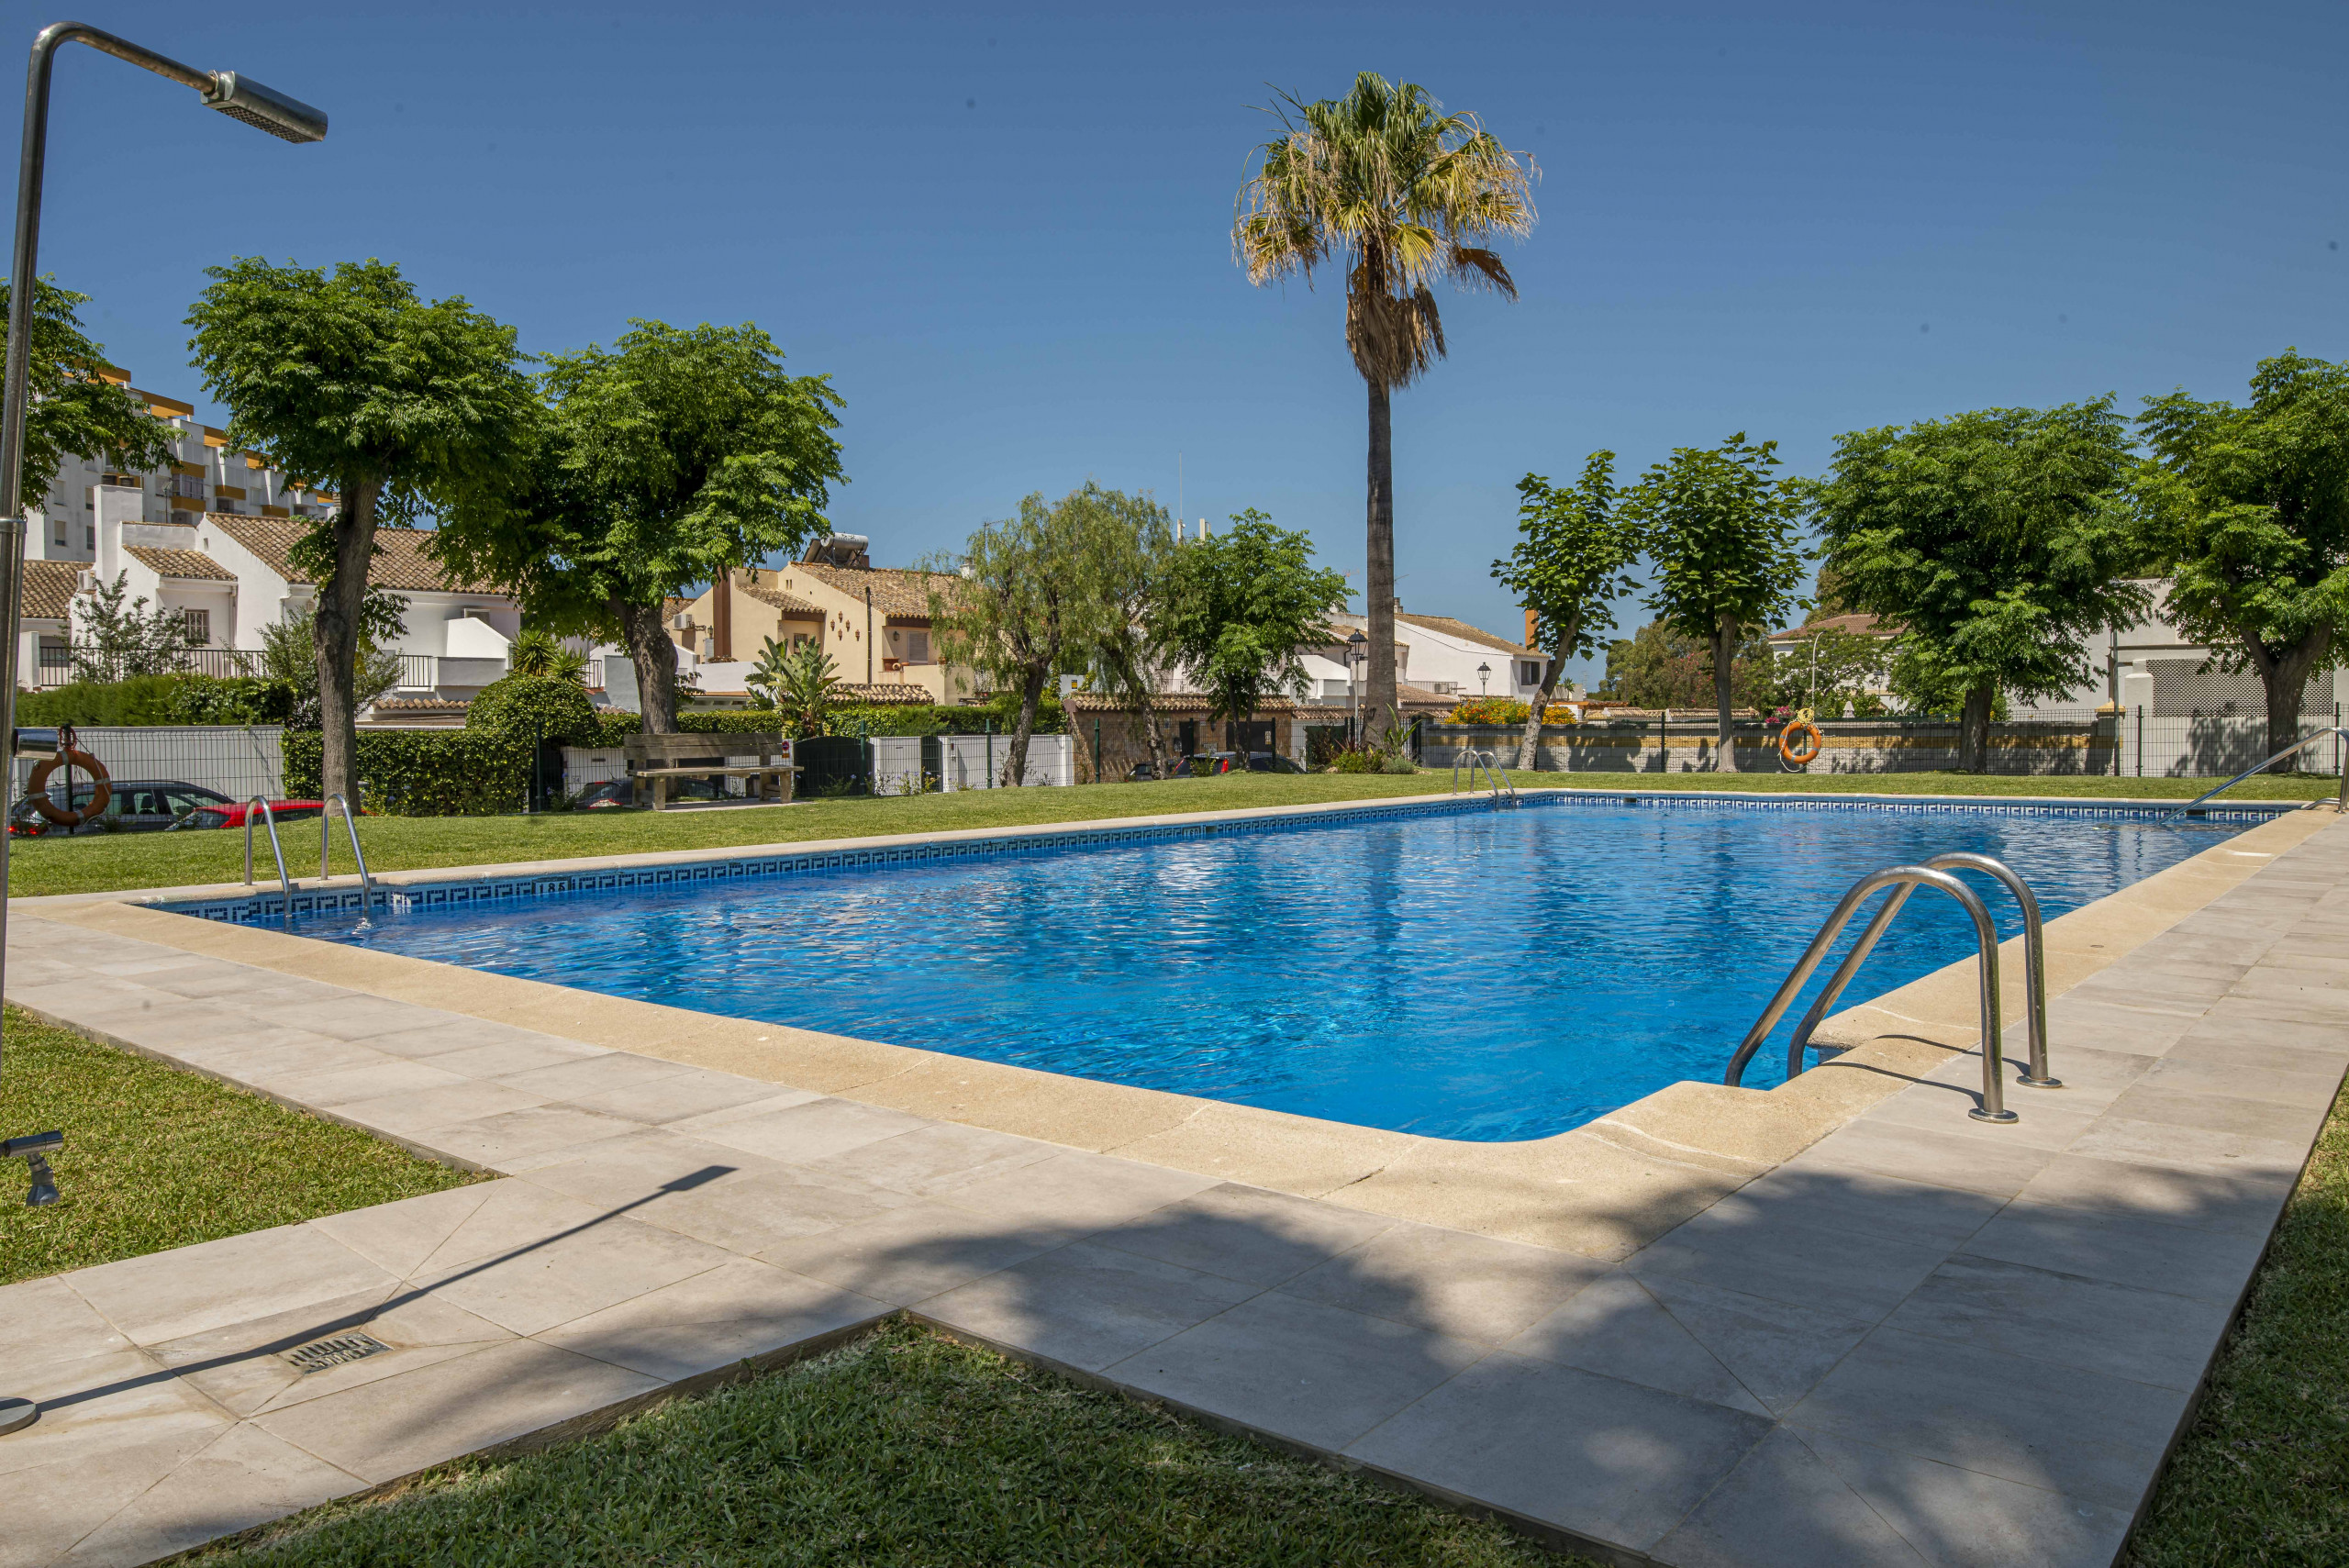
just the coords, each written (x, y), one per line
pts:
(1489, 977)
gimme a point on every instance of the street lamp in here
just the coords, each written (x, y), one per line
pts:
(1355, 645)
(237, 97)
(1483, 679)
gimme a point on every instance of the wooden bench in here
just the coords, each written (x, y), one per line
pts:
(657, 759)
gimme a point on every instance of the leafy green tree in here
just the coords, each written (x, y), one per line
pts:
(1657, 667)
(1239, 607)
(675, 455)
(349, 381)
(1830, 667)
(1573, 557)
(72, 411)
(1124, 547)
(1997, 539)
(2247, 510)
(541, 655)
(1402, 195)
(1721, 532)
(113, 641)
(289, 653)
(1013, 606)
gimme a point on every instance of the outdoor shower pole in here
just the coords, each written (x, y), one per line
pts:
(246, 100)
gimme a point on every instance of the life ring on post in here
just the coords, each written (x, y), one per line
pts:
(72, 756)
(1800, 756)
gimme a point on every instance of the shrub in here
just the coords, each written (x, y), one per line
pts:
(534, 708)
(423, 773)
(1353, 760)
(1491, 710)
(160, 700)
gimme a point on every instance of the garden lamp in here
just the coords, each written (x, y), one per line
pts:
(1356, 643)
(1484, 679)
(237, 97)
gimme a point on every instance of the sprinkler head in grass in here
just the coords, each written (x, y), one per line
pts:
(34, 1149)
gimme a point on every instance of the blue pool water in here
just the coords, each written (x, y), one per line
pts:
(1489, 975)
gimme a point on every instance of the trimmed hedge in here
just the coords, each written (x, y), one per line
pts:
(535, 707)
(160, 700)
(422, 773)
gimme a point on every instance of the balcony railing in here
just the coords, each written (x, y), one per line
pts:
(419, 671)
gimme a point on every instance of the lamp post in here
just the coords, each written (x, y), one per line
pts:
(1483, 679)
(1355, 645)
(239, 98)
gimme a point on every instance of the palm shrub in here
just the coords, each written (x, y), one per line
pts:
(539, 653)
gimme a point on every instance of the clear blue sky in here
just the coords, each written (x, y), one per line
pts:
(1005, 235)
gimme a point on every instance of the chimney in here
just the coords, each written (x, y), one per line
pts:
(722, 612)
(1532, 629)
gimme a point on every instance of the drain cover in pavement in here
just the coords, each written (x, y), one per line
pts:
(320, 1355)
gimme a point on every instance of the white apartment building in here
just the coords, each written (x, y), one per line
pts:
(209, 536)
(1439, 655)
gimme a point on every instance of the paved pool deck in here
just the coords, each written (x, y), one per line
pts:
(1836, 1323)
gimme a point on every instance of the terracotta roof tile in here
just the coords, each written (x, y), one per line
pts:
(401, 560)
(883, 693)
(780, 600)
(48, 590)
(1451, 627)
(896, 590)
(181, 562)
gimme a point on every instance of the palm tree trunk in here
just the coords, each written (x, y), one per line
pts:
(1974, 727)
(335, 639)
(1724, 741)
(655, 658)
(1380, 593)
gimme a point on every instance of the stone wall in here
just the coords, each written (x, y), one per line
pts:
(1850, 746)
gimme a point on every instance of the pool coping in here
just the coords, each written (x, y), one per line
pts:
(1604, 1189)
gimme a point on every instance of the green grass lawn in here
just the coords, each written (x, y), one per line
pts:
(99, 863)
(155, 1157)
(902, 1449)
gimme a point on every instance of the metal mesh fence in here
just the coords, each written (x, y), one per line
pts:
(238, 760)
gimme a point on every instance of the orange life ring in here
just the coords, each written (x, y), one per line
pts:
(101, 792)
(1805, 756)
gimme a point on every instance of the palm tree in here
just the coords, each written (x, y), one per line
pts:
(540, 653)
(1404, 194)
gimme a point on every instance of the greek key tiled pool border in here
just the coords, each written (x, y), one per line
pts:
(262, 906)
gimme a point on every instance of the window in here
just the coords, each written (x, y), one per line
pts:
(1532, 673)
(918, 647)
(90, 538)
(199, 627)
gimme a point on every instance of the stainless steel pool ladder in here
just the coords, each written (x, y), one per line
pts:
(1484, 759)
(1903, 879)
(2162, 818)
(270, 817)
(326, 839)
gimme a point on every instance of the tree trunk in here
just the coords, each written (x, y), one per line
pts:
(656, 659)
(335, 644)
(1031, 692)
(1379, 707)
(1724, 741)
(1147, 717)
(1529, 745)
(1974, 727)
(2283, 679)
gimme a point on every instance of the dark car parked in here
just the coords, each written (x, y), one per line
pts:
(1271, 762)
(150, 806)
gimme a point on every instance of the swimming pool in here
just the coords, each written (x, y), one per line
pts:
(1471, 974)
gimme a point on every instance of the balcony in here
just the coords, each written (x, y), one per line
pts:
(54, 667)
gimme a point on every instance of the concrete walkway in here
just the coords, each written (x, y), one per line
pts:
(1921, 1341)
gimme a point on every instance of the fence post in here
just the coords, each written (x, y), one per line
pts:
(2141, 740)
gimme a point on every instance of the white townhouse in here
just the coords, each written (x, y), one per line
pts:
(209, 537)
(1436, 654)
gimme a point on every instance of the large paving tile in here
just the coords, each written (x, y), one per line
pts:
(2060, 1429)
(44, 1321)
(1968, 1157)
(413, 1114)
(1847, 1271)
(912, 1254)
(243, 1369)
(1245, 1233)
(2247, 1203)
(1963, 1519)
(1078, 1190)
(106, 1414)
(1609, 1461)
(1083, 1306)
(1782, 1507)
(51, 1502)
(694, 1092)
(805, 1133)
(1317, 1375)
(246, 1477)
(537, 1288)
(2048, 1119)
(353, 1014)
(525, 1140)
(2255, 1069)
(1471, 1287)
(1777, 1349)
(481, 1048)
(1616, 1329)
(645, 1168)
(399, 1237)
(382, 1431)
(1860, 1201)
(2191, 1107)
(2211, 1266)
(567, 1081)
(740, 1310)
(935, 1160)
(2191, 1148)
(766, 1204)
(512, 1216)
(2121, 1330)
(372, 1081)
(169, 1295)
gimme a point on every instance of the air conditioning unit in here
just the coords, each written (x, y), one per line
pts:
(681, 622)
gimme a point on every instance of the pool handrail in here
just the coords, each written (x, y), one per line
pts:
(2034, 962)
(1474, 760)
(2341, 804)
(326, 839)
(1993, 1107)
(270, 817)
